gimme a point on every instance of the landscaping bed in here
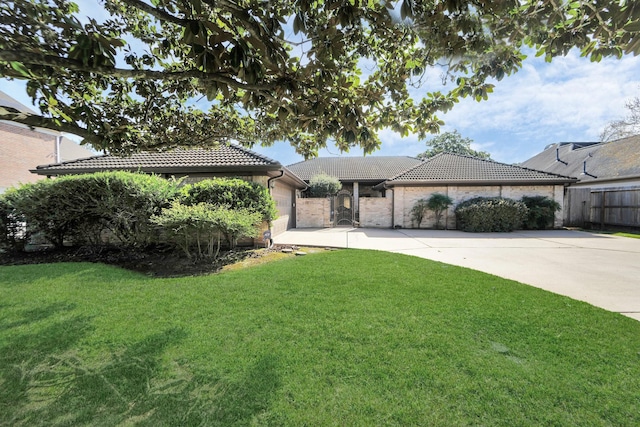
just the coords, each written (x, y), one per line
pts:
(155, 261)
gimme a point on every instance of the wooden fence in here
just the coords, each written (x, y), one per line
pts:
(602, 208)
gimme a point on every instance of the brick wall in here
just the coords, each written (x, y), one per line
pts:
(22, 149)
(406, 197)
(313, 213)
(376, 212)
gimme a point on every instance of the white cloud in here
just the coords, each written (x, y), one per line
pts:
(569, 99)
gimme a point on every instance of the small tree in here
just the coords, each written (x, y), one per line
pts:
(418, 211)
(438, 203)
(323, 185)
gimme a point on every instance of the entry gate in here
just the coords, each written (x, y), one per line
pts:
(343, 203)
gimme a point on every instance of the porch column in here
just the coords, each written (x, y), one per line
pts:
(356, 196)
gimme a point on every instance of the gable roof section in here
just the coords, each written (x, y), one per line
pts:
(447, 168)
(373, 168)
(605, 160)
(223, 158)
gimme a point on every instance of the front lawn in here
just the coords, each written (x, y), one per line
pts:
(357, 338)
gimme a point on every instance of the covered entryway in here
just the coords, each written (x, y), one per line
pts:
(343, 209)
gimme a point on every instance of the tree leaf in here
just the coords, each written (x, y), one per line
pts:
(20, 68)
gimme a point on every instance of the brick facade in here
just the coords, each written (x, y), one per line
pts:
(405, 197)
(22, 149)
(376, 212)
(313, 213)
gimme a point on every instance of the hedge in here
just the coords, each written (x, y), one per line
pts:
(542, 212)
(80, 208)
(490, 214)
(234, 194)
(129, 208)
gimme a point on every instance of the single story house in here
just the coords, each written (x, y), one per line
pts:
(194, 165)
(607, 190)
(388, 202)
(376, 191)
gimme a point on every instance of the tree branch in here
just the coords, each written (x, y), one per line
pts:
(158, 13)
(56, 61)
(35, 121)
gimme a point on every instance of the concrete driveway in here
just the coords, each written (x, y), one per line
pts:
(600, 269)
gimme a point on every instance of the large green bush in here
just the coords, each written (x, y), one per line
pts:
(324, 185)
(43, 206)
(489, 214)
(235, 194)
(81, 208)
(542, 212)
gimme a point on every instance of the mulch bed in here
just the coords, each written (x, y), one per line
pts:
(157, 262)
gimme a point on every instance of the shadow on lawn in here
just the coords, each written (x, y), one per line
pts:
(45, 382)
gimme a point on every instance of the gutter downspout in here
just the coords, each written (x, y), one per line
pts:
(269, 241)
(56, 149)
(584, 167)
(558, 157)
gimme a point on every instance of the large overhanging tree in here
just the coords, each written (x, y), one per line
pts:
(301, 71)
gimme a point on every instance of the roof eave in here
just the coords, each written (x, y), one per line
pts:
(160, 170)
(417, 183)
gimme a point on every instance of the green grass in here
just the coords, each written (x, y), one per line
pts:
(357, 338)
(623, 234)
(631, 234)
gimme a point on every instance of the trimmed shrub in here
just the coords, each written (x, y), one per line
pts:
(198, 229)
(80, 208)
(542, 212)
(235, 194)
(42, 206)
(489, 214)
(324, 185)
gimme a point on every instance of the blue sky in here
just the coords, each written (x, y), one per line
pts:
(570, 99)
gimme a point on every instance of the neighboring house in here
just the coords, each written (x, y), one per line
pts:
(388, 202)
(607, 191)
(21, 148)
(197, 164)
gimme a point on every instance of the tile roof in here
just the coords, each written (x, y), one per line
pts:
(605, 160)
(8, 101)
(454, 168)
(225, 157)
(372, 168)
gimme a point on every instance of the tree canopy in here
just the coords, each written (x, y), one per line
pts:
(451, 142)
(162, 73)
(626, 126)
